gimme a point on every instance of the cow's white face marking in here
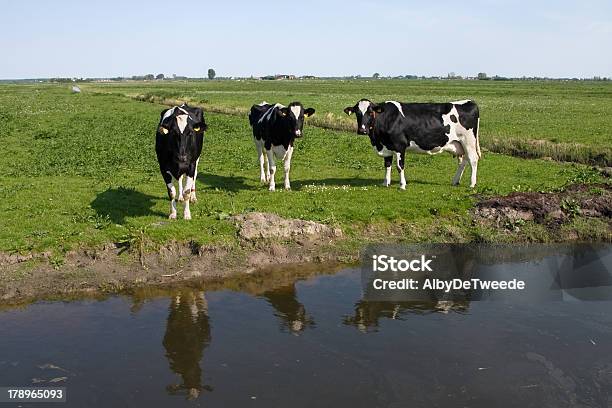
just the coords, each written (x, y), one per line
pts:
(464, 101)
(363, 106)
(181, 121)
(296, 111)
(398, 106)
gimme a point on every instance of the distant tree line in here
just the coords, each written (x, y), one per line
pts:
(211, 74)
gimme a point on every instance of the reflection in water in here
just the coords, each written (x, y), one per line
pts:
(368, 313)
(291, 312)
(514, 350)
(187, 335)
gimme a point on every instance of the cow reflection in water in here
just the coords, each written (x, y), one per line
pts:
(292, 314)
(187, 335)
(368, 314)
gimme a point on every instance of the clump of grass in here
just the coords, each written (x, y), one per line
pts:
(136, 240)
(570, 207)
(56, 261)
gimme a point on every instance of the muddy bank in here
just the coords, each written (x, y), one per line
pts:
(112, 269)
(552, 210)
(265, 240)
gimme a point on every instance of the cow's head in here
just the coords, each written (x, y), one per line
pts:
(366, 112)
(293, 116)
(182, 125)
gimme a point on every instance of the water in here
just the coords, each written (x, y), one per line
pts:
(309, 342)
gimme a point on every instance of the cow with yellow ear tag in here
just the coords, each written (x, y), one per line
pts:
(275, 129)
(178, 144)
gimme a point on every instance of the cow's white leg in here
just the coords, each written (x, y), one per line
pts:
(187, 196)
(474, 165)
(180, 185)
(388, 163)
(262, 160)
(272, 165)
(195, 177)
(400, 167)
(187, 211)
(172, 193)
(387, 181)
(471, 154)
(460, 169)
(288, 167)
(267, 168)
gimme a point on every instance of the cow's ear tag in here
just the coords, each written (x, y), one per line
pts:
(163, 130)
(196, 129)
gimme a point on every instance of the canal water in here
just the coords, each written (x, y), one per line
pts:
(309, 339)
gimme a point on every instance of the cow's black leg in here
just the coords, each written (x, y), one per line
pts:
(400, 167)
(388, 163)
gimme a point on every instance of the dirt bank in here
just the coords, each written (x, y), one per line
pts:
(268, 240)
(265, 240)
(552, 209)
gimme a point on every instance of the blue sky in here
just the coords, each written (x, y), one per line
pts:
(392, 37)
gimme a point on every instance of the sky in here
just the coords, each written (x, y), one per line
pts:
(110, 38)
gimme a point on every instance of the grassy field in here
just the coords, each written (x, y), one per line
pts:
(564, 120)
(80, 169)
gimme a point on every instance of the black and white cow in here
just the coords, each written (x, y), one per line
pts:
(275, 128)
(428, 128)
(178, 144)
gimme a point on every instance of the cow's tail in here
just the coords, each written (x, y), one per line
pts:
(478, 138)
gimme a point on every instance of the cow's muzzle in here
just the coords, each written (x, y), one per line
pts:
(298, 133)
(362, 131)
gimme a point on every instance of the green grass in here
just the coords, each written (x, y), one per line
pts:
(567, 120)
(80, 170)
